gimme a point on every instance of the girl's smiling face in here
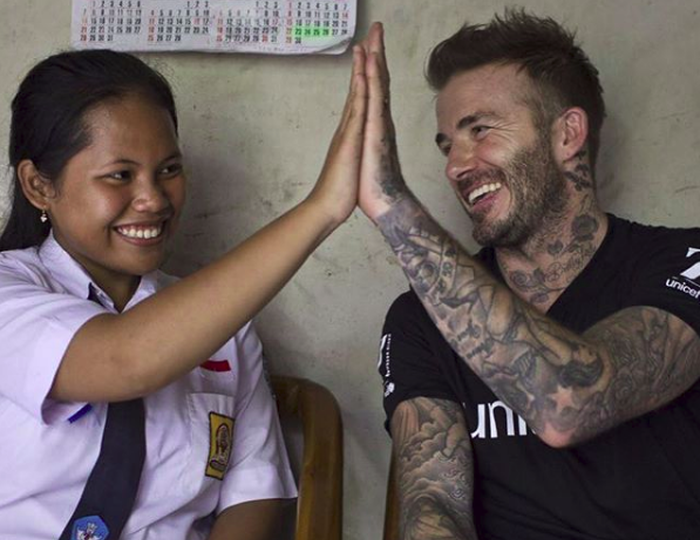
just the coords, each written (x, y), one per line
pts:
(118, 200)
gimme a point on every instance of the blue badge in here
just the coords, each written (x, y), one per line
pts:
(90, 528)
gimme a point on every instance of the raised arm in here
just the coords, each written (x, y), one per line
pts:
(567, 387)
(118, 357)
(434, 470)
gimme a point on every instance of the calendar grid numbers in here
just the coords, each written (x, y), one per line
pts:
(277, 26)
(105, 19)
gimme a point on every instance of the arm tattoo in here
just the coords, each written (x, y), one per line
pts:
(434, 469)
(565, 386)
(390, 180)
(654, 357)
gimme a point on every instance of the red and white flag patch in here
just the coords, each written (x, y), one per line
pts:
(216, 365)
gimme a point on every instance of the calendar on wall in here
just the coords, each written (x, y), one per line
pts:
(254, 26)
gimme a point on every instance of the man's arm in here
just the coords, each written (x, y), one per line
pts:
(568, 387)
(434, 470)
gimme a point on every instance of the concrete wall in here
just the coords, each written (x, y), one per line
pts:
(255, 130)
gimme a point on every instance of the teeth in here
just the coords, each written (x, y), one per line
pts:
(483, 190)
(144, 233)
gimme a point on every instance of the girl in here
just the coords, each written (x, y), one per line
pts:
(133, 405)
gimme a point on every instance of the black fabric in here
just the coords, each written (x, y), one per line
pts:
(639, 481)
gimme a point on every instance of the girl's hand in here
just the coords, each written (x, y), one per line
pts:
(336, 189)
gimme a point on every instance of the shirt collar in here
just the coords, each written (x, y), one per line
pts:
(73, 277)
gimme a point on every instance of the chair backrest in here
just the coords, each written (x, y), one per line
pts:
(320, 503)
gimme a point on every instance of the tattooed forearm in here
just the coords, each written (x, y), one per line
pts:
(565, 386)
(654, 357)
(428, 256)
(434, 469)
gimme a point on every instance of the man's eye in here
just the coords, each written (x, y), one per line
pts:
(445, 149)
(479, 131)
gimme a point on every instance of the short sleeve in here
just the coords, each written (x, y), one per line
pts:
(408, 364)
(668, 275)
(259, 467)
(36, 327)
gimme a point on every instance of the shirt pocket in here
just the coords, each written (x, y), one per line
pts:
(215, 377)
(211, 428)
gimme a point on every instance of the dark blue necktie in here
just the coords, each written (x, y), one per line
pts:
(110, 491)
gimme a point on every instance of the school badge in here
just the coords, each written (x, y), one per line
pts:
(90, 528)
(220, 441)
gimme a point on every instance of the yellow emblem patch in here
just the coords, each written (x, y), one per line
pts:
(220, 441)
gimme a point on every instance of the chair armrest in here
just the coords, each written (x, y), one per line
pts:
(320, 503)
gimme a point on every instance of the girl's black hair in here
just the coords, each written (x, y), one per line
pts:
(48, 121)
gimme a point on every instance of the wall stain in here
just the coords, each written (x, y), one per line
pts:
(676, 115)
(267, 206)
(288, 195)
(206, 214)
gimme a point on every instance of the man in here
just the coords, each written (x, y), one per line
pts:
(545, 388)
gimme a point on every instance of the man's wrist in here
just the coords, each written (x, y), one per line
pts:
(387, 194)
(398, 213)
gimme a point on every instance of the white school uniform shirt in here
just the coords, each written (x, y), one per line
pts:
(48, 448)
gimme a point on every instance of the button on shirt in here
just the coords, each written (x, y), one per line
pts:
(213, 438)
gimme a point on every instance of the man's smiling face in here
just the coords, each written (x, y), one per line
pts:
(499, 160)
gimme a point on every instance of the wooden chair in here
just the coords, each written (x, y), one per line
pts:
(320, 503)
(391, 512)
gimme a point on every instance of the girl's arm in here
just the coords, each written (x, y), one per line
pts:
(120, 357)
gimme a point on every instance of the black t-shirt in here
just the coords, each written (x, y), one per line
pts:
(639, 481)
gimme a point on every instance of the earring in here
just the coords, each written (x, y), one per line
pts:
(43, 217)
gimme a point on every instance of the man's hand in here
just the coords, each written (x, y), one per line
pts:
(381, 182)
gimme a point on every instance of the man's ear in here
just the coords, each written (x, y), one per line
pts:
(38, 190)
(570, 134)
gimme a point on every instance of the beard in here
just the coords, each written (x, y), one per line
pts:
(538, 194)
